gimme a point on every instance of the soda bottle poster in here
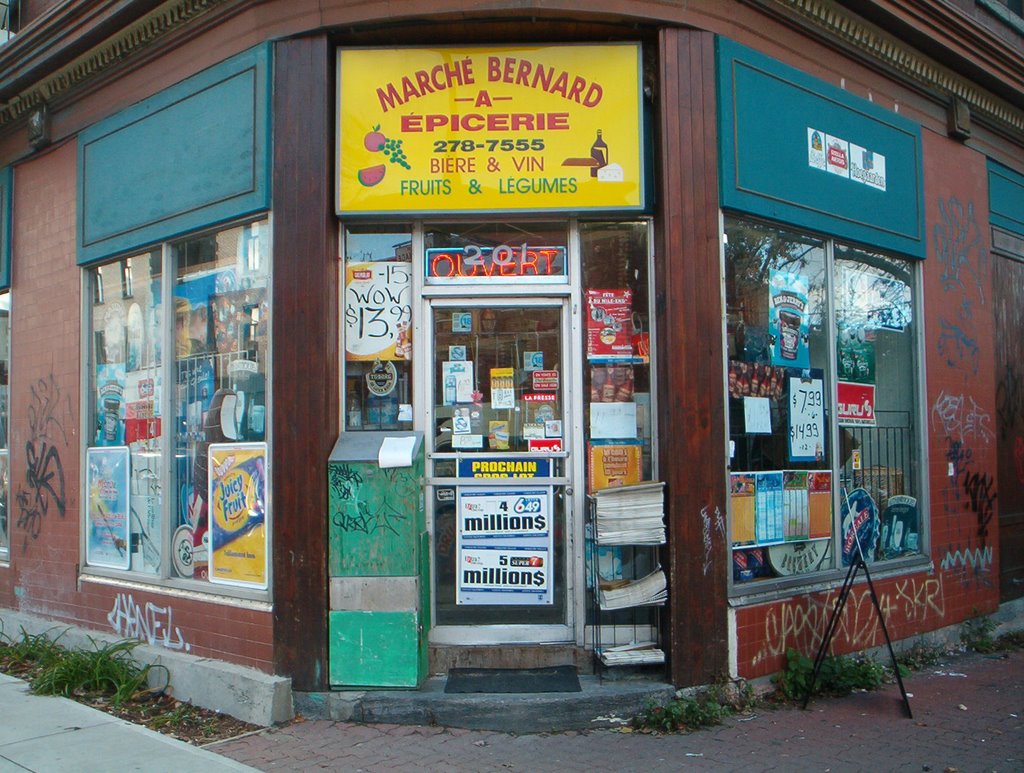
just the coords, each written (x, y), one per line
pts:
(787, 319)
(238, 514)
(108, 526)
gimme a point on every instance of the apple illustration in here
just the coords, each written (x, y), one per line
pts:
(374, 141)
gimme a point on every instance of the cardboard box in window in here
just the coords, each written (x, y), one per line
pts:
(880, 482)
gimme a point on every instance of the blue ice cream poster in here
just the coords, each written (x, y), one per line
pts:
(788, 325)
(110, 384)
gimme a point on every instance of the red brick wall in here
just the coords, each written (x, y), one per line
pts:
(43, 575)
(960, 401)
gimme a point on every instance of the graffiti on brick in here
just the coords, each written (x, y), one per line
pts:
(960, 417)
(43, 490)
(801, 623)
(959, 248)
(148, 623)
(969, 565)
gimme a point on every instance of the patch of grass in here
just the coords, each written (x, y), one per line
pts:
(107, 678)
(920, 656)
(107, 670)
(1013, 640)
(704, 708)
(976, 634)
(839, 675)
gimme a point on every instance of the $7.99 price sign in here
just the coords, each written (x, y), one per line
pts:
(806, 419)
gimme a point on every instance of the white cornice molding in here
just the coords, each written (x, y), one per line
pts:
(892, 55)
(126, 43)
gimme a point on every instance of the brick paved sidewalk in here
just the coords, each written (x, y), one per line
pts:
(968, 717)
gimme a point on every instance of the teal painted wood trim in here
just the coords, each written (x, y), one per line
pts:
(1006, 198)
(376, 649)
(194, 155)
(768, 113)
(6, 194)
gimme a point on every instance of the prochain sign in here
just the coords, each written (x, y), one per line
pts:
(497, 129)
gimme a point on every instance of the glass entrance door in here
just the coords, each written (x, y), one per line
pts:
(499, 466)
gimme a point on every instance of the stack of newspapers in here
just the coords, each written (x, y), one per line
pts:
(630, 515)
(645, 591)
(632, 654)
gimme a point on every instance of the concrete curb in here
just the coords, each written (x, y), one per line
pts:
(244, 693)
(600, 703)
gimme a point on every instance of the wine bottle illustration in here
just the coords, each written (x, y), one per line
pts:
(598, 152)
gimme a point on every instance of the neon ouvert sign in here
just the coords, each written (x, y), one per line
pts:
(520, 263)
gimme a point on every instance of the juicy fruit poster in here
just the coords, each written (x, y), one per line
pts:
(500, 129)
(788, 324)
(238, 514)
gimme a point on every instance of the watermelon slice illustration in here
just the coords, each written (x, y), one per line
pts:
(372, 175)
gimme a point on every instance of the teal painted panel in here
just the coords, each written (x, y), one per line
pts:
(1006, 198)
(191, 156)
(775, 124)
(376, 518)
(375, 649)
(6, 194)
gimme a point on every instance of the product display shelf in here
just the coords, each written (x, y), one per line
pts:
(626, 526)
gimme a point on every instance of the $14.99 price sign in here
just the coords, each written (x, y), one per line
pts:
(806, 419)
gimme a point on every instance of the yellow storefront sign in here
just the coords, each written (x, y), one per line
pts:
(553, 128)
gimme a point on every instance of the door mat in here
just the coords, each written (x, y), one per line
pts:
(499, 680)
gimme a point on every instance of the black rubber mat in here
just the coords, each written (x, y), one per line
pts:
(498, 680)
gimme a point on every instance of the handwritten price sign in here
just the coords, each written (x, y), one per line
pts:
(806, 419)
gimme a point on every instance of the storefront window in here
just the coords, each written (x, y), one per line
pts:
(790, 495)
(876, 403)
(126, 528)
(5, 476)
(214, 526)
(378, 328)
(617, 346)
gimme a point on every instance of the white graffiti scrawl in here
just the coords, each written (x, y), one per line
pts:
(149, 623)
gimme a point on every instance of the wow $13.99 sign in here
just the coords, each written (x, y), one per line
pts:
(497, 129)
(504, 546)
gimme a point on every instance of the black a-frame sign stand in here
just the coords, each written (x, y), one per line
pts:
(855, 566)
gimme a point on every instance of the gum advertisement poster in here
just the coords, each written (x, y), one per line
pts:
(238, 514)
(502, 129)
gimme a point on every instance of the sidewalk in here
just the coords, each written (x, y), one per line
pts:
(46, 734)
(968, 717)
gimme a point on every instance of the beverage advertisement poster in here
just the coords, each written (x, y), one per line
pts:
(108, 525)
(495, 129)
(238, 514)
(856, 352)
(505, 546)
(788, 323)
(378, 310)
(610, 324)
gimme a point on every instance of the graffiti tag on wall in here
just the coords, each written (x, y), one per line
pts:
(801, 623)
(43, 489)
(355, 515)
(149, 623)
